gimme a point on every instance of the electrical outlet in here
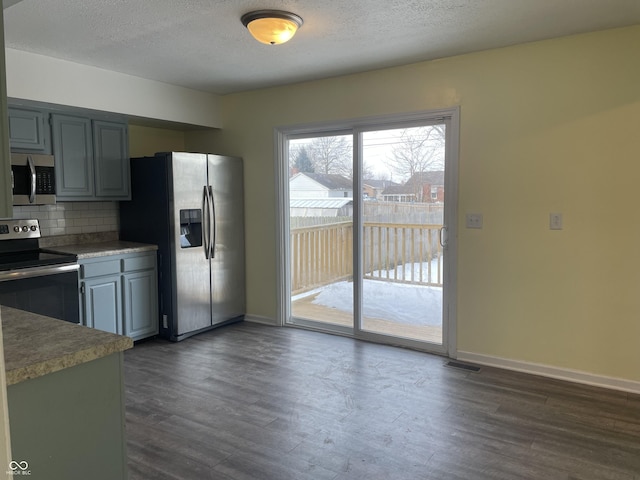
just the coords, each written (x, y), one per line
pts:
(473, 220)
(555, 221)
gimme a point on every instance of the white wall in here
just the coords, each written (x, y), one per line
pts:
(39, 78)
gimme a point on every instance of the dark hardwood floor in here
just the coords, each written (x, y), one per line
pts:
(254, 402)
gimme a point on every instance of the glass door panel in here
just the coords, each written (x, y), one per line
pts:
(402, 216)
(321, 231)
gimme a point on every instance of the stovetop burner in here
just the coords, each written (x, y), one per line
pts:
(19, 247)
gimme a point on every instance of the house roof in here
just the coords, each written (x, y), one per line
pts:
(416, 180)
(319, 202)
(378, 183)
(204, 46)
(331, 181)
(431, 178)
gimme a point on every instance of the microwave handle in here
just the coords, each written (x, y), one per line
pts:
(32, 170)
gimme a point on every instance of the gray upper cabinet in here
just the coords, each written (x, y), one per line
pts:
(73, 152)
(92, 160)
(110, 149)
(29, 130)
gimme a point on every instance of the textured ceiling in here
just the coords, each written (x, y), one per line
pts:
(202, 44)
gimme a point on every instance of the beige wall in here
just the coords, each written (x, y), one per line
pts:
(147, 141)
(546, 127)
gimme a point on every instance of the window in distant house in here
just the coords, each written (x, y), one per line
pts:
(434, 192)
(346, 194)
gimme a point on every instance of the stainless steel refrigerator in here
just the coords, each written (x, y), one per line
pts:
(191, 206)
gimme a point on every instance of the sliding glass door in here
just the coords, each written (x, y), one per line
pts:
(401, 243)
(366, 217)
(321, 226)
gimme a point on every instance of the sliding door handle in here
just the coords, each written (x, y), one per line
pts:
(443, 236)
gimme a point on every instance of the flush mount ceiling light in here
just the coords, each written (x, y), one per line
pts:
(272, 27)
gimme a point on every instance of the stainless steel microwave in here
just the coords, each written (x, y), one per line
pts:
(33, 179)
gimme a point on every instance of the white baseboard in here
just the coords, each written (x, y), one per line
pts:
(262, 320)
(569, 375)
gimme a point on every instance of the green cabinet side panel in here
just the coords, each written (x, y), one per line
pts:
(69, 425)
(6, 200)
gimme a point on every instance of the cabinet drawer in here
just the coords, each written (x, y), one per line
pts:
(97, 269)
(143, 262)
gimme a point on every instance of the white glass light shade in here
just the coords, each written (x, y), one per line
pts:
(272, 27)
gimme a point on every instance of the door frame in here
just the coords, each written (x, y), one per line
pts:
(356, 127)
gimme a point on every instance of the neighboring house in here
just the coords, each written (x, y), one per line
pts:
(320, 195)
(372, 189)
(422, 187)
(320, 185)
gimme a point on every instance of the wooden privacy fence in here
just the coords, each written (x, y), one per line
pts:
(402, 253)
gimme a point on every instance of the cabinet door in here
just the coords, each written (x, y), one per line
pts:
(141, 304)
(73, 150)
(28, 130)
(103, 303)
(111, 158)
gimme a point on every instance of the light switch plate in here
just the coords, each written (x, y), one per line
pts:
(473, 220)
(555, 221)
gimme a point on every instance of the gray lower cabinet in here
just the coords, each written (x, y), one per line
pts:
(140, 285)
(103, 303)
(92, 159)
(119, 294)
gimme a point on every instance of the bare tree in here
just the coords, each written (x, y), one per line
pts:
(332, 154)
(418, 150)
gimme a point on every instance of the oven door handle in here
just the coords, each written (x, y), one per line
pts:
(32, 174)
(33, 272)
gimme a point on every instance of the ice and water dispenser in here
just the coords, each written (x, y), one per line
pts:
(191, 228)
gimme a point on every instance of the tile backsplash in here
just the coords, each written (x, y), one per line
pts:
(69, 218)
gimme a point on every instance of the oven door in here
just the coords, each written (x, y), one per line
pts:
(51, 291)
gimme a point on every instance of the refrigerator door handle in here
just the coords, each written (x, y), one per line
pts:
(206, 237)
(213, 229)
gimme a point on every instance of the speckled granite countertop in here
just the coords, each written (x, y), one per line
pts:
(35, 345)
(102, 249)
